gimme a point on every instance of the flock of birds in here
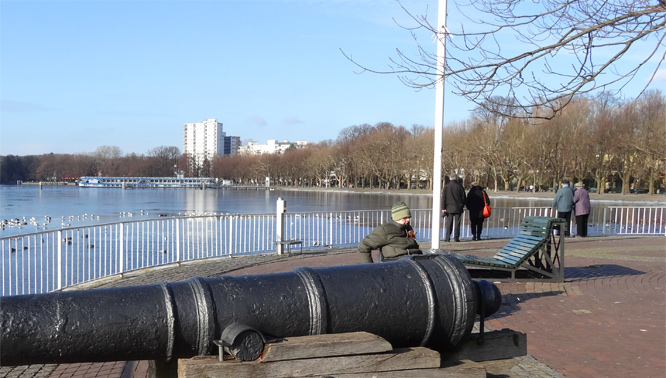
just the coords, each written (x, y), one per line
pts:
(45, 223)
(67, 221)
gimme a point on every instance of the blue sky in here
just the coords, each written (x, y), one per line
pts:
(76, 75)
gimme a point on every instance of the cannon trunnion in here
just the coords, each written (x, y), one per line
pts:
(423, 300)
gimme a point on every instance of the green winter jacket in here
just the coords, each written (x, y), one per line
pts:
(391, 237)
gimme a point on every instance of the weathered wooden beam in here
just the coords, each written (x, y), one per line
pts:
(468, 369)
(399, 359)
(328, 345)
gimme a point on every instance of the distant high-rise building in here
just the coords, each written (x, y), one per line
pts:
(204, 140)
(231, 145)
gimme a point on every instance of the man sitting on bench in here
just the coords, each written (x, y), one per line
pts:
(393, 239)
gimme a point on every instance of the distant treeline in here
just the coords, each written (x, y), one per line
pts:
(608, 144)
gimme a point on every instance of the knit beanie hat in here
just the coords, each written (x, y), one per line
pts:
(399, 211)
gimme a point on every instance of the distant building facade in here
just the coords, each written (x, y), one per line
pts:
(204, 140)
(231, 145)
(272, 146)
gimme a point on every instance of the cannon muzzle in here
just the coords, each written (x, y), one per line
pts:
(426, 300)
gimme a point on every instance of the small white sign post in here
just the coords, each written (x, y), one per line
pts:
(281, 209)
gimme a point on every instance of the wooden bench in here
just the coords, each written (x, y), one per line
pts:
(533, 254)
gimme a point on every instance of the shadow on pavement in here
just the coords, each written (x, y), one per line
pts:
(599, 270)
(511, 302)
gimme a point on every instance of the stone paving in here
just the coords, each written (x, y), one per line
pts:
(608, 319)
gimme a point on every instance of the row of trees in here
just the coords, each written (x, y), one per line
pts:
(609, 144)
(105, 161)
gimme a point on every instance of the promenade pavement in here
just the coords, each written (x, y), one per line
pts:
(608, 319)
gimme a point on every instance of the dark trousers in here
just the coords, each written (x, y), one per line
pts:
(565, 215)
(581, 224)
(476, 227)
(453, 225)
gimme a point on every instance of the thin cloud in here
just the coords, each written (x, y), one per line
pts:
(21, 107)
(292, 121)
(258, 121)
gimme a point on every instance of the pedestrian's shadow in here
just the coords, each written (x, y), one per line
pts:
(511, 302)
(581, 273)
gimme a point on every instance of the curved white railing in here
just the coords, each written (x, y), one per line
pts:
(52, 260)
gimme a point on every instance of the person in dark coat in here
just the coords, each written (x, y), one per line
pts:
(581, 208)
(453, 204)
(395, 238)
(475, 203)
(564, 202)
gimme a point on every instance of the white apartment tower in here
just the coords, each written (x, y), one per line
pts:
(203, 140)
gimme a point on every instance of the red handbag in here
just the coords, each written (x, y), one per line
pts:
(486, 208)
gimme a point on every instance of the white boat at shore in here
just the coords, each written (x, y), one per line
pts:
(145, 182)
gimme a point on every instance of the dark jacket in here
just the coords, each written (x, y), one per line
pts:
(564, 199)
(391, 237)
(475, 202)
(453, 197)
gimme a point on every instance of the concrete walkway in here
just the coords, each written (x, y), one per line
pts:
(608, 319)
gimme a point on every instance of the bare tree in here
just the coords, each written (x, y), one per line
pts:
(108, 152)
(419, 157)
(319, 164)
(488, 143)
(164, 159)
(107, 159)
(651, 136)
(539, 54)
(187, 164)
(601, 139)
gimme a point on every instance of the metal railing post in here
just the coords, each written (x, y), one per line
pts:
(121, 251)
(231, 234)
(330, 230)
(281, 208)
(59, 263)
(177, 257)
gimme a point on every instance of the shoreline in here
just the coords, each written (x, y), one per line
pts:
(594, 197)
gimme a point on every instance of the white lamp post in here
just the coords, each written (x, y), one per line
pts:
(439, 124)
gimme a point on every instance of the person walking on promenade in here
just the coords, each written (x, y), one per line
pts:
(582, 209)
(453, 203)
(394, 239)
(564, 202)
(476, 199)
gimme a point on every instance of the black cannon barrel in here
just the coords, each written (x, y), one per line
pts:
(427, 300)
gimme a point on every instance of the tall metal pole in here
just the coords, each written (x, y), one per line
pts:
(439, 123)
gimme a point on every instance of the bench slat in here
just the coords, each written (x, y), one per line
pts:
(512, 255)
(524, 243)
(518, 254)
(527, 238)
(479, 260)
(522, 248)
(509, 260)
